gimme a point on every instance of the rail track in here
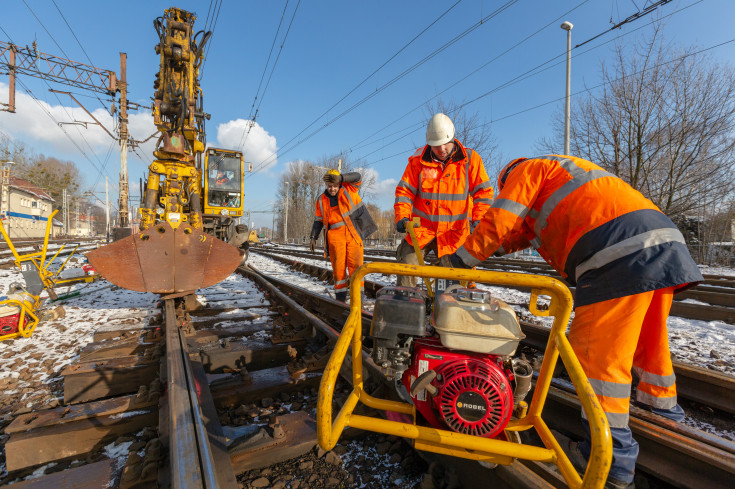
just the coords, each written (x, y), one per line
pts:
(225, 396)
(714, 300)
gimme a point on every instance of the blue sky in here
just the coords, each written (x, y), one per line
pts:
(327, 64)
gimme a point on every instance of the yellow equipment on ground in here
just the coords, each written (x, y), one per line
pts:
(253, 238)
(18, 311)
(498, 450)
(172, 254)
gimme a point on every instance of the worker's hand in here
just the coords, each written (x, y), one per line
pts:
(330, 179)
(401, 225)
(452, 261)
(312, 244)
(473, 225)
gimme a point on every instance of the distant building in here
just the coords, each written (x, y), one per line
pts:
(25, 209)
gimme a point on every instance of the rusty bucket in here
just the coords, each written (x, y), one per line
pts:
(166, 261)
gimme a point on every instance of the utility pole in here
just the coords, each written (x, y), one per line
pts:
(567, 26)
(76, 219)
(285, 215)
(273, 224)
(107, 209)
(123, 86)
(63, 209)
(5, 198)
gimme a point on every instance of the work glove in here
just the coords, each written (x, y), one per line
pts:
(451, 261)
(312, 244)
(473, 225)
(333, 179)
(401, 225)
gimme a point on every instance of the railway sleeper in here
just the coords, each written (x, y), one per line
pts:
(67, 432)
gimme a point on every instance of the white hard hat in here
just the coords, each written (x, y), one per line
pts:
(440, 130)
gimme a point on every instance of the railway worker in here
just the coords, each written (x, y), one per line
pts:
(625, 257)
(444, 184)
(347, 222)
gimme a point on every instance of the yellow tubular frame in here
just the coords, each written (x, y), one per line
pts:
(27, 329)
(458, 444)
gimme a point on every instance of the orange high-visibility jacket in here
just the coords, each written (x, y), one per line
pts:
(591, 226)
(351, 213)
(441, 197)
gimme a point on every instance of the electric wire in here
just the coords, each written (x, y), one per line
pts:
(251, 116)
(536, 70)
(80, 45)
(446, 45)
(273, 68)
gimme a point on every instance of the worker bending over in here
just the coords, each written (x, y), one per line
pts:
(447, 187)
(625, 257)
(348, 222)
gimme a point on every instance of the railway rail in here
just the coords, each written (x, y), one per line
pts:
(224, 396)
(711, 302)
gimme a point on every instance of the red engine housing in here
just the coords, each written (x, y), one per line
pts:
(474, 394)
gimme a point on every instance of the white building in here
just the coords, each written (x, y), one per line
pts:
(25, 209)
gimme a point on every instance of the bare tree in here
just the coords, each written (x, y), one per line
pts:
(663, 122)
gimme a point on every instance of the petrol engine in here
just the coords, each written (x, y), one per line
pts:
(455, 367)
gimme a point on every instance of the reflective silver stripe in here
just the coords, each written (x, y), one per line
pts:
(405, 185)
(349, 198)
(533, 214)
(519, 210)
(653, 401)
(536, 243)
(579, 178)
(353, 209)
(319, 218)
(404, 200)
(482, 201)
(481, 186)
(623, 248)
(433, 218)
(321, 207)
(615, 420)
(440, 196)
(466, 257)
(610, 389)
(341, 282)
(654, 379)
(335, 226)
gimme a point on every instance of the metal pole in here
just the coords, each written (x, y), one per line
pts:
(567, 26)
(124, 221)
(107, 210)
(273, 224)
(285, 216)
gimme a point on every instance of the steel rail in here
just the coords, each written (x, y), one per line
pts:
(696, 384)
(677, 454)
(718, 308)
(191, 458)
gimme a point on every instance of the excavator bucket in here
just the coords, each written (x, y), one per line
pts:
(166, 261)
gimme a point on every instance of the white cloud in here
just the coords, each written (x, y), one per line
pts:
(380, 192)
(259, 147)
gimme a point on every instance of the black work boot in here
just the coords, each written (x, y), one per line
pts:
(341, 296)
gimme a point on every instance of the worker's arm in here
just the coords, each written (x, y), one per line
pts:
(406, 191)
(504, 218)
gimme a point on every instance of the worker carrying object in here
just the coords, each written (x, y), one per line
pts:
(348, 222)
(447, 187)
(625, 257)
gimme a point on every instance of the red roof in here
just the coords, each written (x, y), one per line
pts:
(28, 187)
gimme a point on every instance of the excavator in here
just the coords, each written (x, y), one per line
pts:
(190, 202)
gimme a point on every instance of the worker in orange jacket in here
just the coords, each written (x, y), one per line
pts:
(447, 187)
(626, 258)
(347, 222)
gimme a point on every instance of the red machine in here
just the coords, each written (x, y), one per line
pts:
(460, 373)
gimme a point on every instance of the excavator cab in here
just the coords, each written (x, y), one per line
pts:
(223, 184)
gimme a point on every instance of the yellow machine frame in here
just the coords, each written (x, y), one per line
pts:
(459, 444)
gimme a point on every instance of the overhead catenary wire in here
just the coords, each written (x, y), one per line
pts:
(446, 45)
(273, 69)
(536, 70)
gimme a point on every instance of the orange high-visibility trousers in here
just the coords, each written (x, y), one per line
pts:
(617, 336)
(346, 255)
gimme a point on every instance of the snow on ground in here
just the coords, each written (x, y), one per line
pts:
(54, 344)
